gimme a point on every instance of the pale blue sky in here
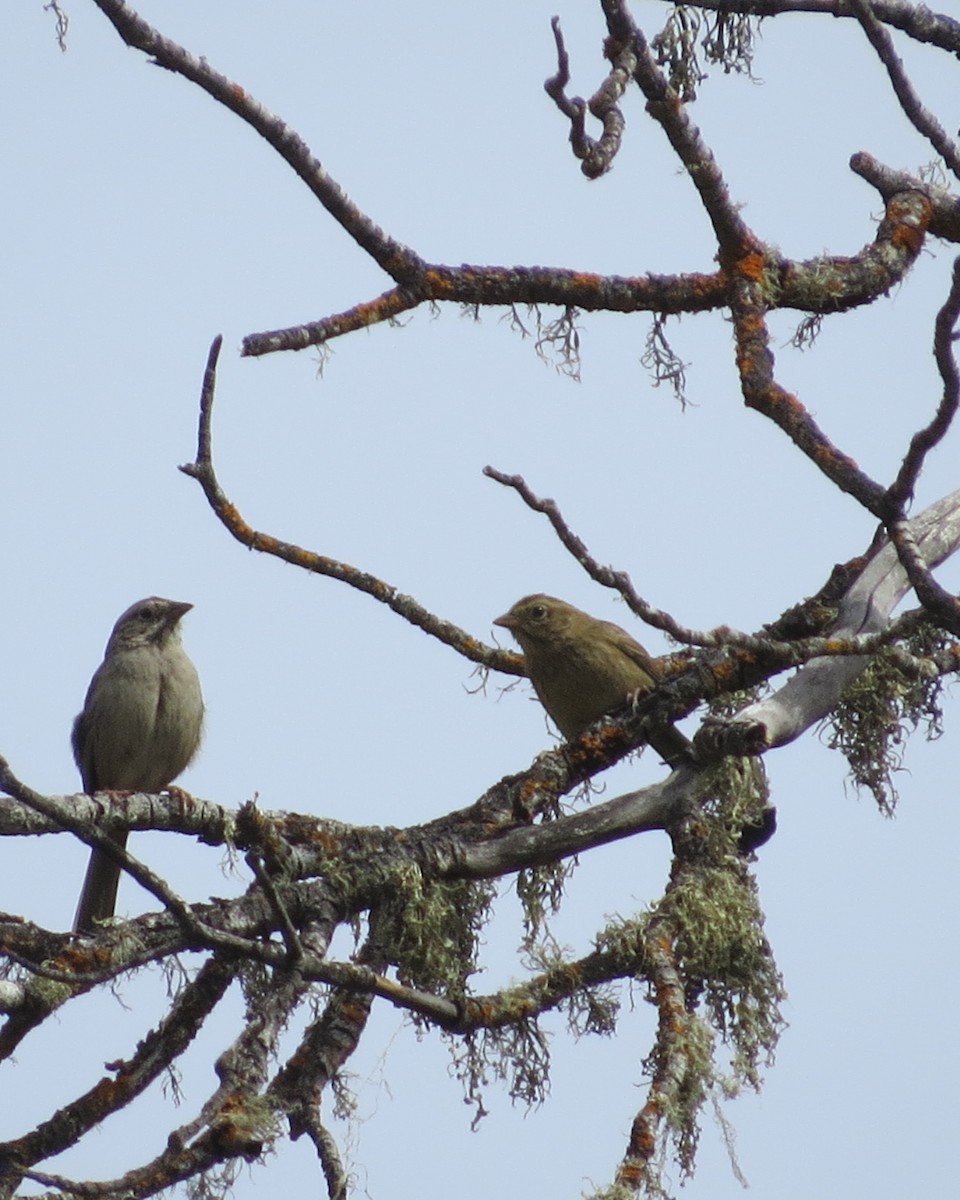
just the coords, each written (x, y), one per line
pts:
(141, 219)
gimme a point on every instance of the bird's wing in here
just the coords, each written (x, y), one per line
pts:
(633, 650)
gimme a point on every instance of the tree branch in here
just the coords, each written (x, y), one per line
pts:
(921, 119)
(202, 469)
(817, 687)
(915, 20)
(398, 260)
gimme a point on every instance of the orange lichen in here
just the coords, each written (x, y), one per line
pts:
(371, 311)
(906, 237)
(751, 266)
(827, 454)
(354, 1010)
(438, 283)
(646, 1143)
(326, 842)
(632, 1175)
(835, 645)
(529, 791)
(230, 514)
(910, 214)
(581, 279)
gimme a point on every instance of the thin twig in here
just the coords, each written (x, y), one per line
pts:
(63, 816)
(596, 155)
(291, 937)
(202, 469)
(762, 392)
(398, 260)
(921, 118)
(732, 232)
(922, 442)
(789, 654)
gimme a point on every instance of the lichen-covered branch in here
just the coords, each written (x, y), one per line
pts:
(154, 1054)
(423, 894)
(916, 20)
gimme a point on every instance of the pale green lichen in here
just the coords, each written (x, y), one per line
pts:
(516, 1055)
(438, 929)
(726, 962)
(540, 892)
(725, 39)
(738, 796)
(880, 709)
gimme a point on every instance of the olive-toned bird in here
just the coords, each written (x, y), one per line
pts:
(582, 668)
(140, 727)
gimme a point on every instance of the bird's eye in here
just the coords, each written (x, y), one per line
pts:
(538, 612)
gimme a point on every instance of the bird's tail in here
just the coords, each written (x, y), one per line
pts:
(98, 900)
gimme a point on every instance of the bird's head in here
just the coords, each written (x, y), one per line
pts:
(540, 620)
(150, 621)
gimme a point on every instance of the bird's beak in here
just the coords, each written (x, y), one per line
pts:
(507, 621)
(178, 608)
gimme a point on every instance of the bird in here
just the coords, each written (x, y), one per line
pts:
(582, 668)
(140, 727)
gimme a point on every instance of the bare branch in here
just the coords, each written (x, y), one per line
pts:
(315, 333)
(202, 469)
(399, 261)
(900, 491)
(637, 812)
(762, 392)
(596, 156)
(663, 104)
(62, 22)
(923, 120)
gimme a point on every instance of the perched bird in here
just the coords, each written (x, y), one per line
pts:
(582, 668)
(140, 727)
